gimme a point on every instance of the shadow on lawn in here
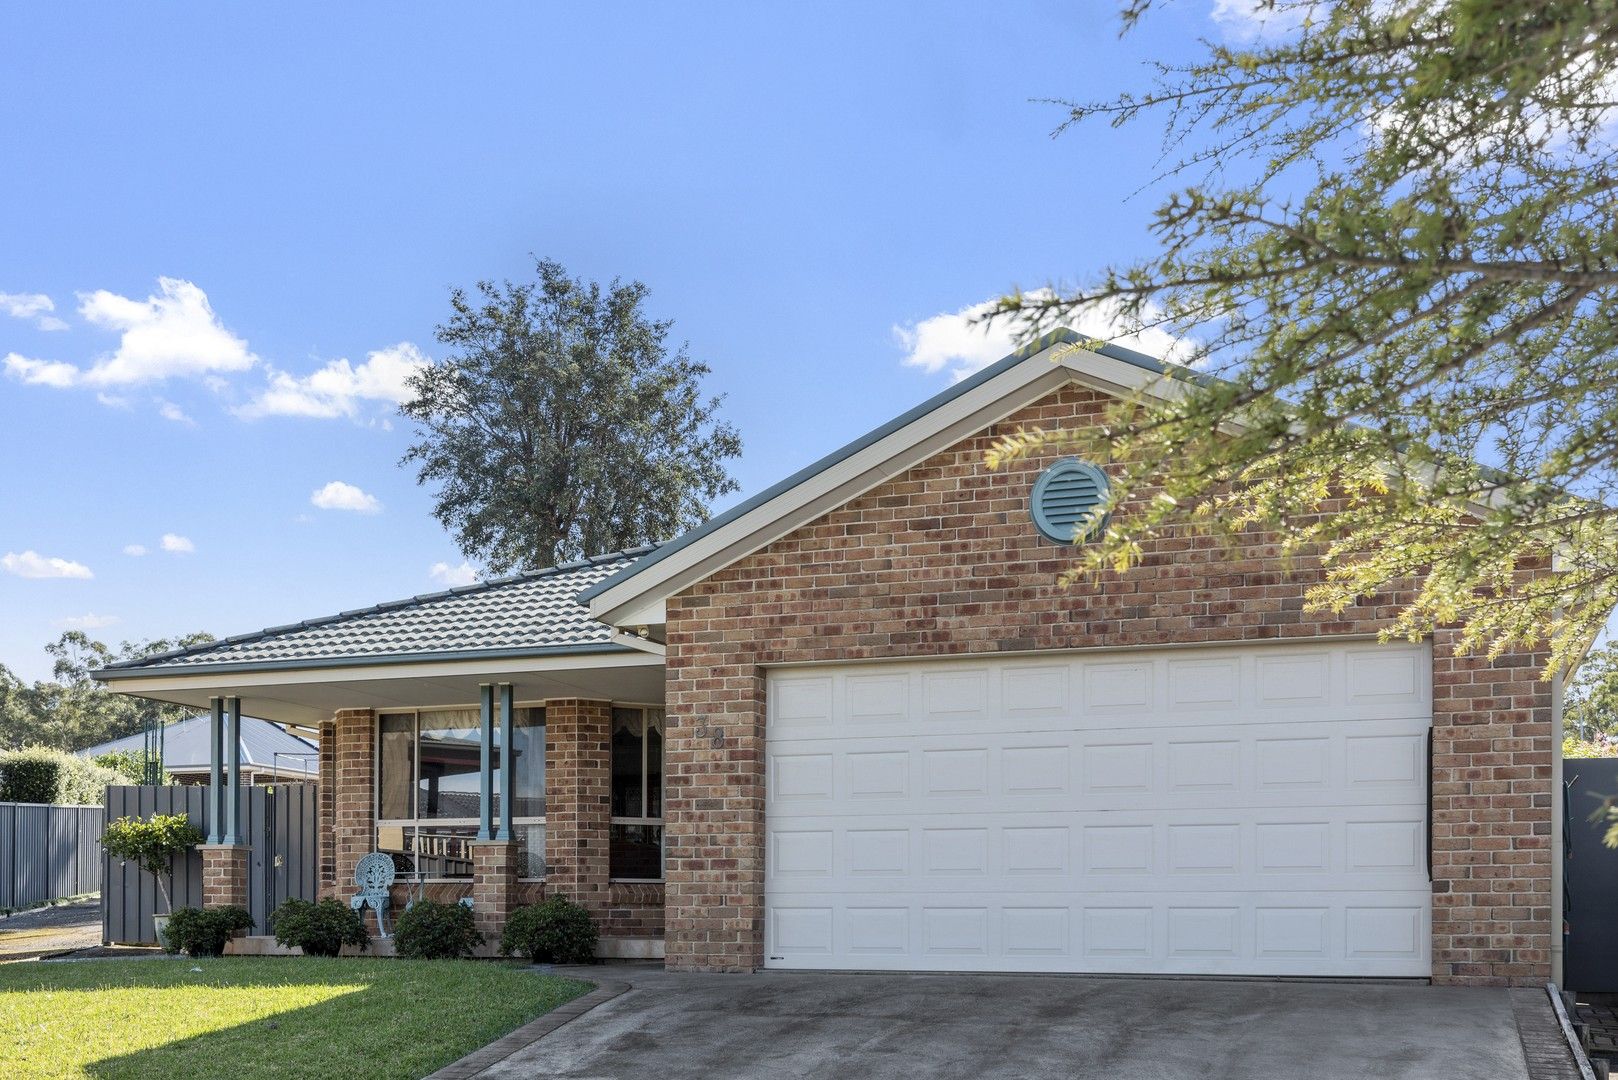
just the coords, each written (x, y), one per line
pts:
(375, 1023)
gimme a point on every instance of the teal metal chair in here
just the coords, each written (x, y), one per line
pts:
(374, 876)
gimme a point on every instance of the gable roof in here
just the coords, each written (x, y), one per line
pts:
(634, 595)
(530, 614)
(186, 745)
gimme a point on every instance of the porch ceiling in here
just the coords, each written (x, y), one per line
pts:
(308, 695)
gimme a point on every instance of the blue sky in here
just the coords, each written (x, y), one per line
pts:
(225, 234)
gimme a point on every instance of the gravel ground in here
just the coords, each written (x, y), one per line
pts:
(46, 930)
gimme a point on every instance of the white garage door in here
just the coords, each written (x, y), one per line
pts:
(1240, 810)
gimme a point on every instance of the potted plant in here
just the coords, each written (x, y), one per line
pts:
(152, 845)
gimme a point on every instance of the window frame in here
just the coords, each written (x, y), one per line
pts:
(378, 821)
(645, 793)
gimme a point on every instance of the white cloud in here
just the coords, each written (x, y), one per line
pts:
(1248, 20)
(35, 306)
(136, 550)
(172, 333)
(958, 341)
(445, 574)
(88, 621)
(41, 372)
(177, 544)
(170, 411)
(31, 564)
(340, 388)
(340, 496)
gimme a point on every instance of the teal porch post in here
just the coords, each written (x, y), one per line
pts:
(507, 773)
(486, 762)
(233, 772)
(216, 756)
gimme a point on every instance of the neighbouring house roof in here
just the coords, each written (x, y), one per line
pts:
(634, 594)
(529, 614)
(186, 746)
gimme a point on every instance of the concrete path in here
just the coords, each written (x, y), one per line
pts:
(675, 1027)
(46, 930)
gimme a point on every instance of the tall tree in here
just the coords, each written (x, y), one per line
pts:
(562, 425)
(1390, 236)
(72, 711)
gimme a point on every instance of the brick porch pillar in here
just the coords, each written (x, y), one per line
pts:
(224, 874)
(578, 802)
(494, 885)
(353, 802)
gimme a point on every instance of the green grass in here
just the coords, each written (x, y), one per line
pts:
(251, 1017)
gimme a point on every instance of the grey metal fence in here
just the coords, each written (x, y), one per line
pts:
(1589, 878)
(278, 825)
(48, 851)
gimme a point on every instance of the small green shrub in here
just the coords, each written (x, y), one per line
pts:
(42, 775)
(204, 931)
(555, 931)
(318, 928)
(153, 844)
(433, 931)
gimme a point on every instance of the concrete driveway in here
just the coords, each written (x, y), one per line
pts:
(674, 1027)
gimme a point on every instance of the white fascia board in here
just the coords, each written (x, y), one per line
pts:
(1035, 377)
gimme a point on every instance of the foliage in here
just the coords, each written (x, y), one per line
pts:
(1390, 239)
(204, 931)
(433, 931)
(130, 765)
(556, 930)
(319, 927)
(73, 711)
(561, 424)
(248, 1018)
(152, 844)
(1601, 746)
(43, 775)
(1590, 702)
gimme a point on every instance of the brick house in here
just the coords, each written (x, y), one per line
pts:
(853, 723)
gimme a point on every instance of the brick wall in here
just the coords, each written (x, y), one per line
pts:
(224, 875)
(578, 801)
(943, 560)
(353, 832)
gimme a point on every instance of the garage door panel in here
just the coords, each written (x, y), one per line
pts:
(1300, 934)
(1219, 811)
(1247, 766)
(1194, 687)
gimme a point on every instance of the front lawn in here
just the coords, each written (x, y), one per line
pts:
(250, 1017)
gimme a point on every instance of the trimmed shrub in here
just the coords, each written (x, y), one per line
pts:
(152, 844)
(433, 931)
(204, 931)
(319, 928)
(42, 775)
(555, 931)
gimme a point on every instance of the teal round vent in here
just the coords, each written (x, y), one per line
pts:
(1067, 499)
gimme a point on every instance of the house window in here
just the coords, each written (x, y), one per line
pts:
(429, 796)
(637, 794)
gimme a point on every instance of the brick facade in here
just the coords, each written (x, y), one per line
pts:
(353, 831)
(224, 874)
(942, 560)
(578, 809)
(578, 801)
(494, 885)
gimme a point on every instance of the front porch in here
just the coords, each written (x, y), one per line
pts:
(498, 743)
